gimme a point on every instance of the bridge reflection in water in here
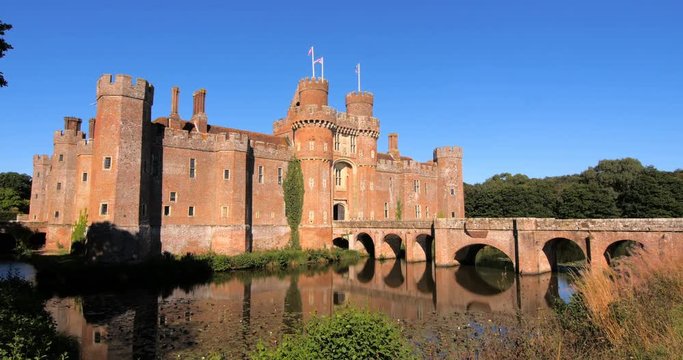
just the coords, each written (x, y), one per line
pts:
(231, 314)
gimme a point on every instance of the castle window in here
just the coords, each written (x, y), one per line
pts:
(418, 211)
(38, 174)
(353, 144)
(452, 191)
(311, 183)
(143, 209)
(61, 157)
(311, 145)
(59, 186)
(337, 176)
(224, 211)
(427, 211)
(226, 174)
(453, 214)
(84, 176)
(279, 176)
(386, 210)
(260, 174)
(104, 209)
(324, 183)
(416, 185)
(106, 163)
(190, 211)
(336, 141)
(324, 146)
(172, 196)
(372, 154)
(193, 168)
(167, 210)
(56, 214)
(97, 338)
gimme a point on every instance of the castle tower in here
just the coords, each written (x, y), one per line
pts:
(359, 109)
(450, 194)
(313, 123)
(123, 113)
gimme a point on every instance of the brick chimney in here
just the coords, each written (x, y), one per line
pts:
(91, 128)
(199, 118)
(393, 146)
(175, 92)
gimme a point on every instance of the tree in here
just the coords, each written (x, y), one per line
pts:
(4, 46)
(21, 183)
(293, 186)
(653, 194)
(580, 201)
(11, 201)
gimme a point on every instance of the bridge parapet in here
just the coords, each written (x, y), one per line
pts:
(381, 224)
(622, 225)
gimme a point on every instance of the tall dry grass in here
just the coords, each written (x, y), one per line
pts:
(637, 305)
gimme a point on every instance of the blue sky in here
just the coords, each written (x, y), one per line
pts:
(536, 87)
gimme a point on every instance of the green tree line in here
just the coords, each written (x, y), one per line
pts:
(15, 192)
(614, 188)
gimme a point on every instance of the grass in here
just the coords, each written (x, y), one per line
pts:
(73, 274)
(278, 259)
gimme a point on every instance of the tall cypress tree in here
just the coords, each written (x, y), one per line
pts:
(294, 199)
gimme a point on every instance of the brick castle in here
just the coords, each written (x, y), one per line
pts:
(188, 186)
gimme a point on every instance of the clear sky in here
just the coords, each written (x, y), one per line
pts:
(544, 88)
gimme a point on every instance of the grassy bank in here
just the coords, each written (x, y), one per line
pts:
(68, 274)
(278, 259)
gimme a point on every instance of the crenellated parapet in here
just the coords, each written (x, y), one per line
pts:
(447, 151)
(84, 147)
(67, 137)
(407, 166)
(271, 151)
(41, 160)
(122, 85)
(360, 103)
(192, 140)
(328, 117)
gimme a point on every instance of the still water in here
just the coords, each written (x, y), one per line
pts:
(234, 311)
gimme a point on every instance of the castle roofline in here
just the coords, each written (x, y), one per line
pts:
(214, 129)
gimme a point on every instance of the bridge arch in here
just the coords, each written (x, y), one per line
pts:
(424, 249)
(341, 242)
(367, 273)
(562, 251)
(364, 243)
(620, 249)
(467, 255)
(393, 247)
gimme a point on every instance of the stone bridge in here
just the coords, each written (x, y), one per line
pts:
(531, 243)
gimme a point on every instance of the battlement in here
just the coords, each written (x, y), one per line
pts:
(68, 136)
(41, 159)
(122, 85)
(314, 84)
(360, 97)
(447, 151)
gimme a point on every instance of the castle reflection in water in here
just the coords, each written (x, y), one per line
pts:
(232, 313)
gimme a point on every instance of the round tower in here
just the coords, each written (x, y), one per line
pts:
(313, 91)
(359, 103)
(313, 127)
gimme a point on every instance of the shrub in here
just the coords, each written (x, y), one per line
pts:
(348, 334)
(26, 329)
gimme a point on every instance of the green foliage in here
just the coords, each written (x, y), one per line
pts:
(78, 233)
(278, 259)
(613, 188)
(26, 328)
(579, 201)
(4, 46)
(348, 334)
(293, 185)
(11, 201)
(399, 209)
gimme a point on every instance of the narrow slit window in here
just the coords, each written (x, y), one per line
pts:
(260, 174)
(226, 174)
(106, 163)
(193, 168)
(84, 176)
(167, 210)
(104, 209)
(190, 211)
(279, 176)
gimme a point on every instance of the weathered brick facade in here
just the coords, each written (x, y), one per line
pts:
(188, 186)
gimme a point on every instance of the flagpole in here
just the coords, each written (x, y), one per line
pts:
(313, 61)
(358, 68)
(322, 68)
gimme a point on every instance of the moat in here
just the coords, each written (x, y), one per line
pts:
(235, 310)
